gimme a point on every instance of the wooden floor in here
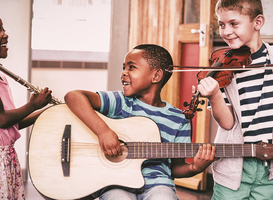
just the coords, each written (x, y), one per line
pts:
(182, 193)
(188, 194)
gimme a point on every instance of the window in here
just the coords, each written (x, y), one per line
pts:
(71, 33)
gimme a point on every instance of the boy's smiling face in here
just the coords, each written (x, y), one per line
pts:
(236, 29)
(136, 76)
(3, 41)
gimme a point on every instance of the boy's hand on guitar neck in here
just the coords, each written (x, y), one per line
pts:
(110, 144)
(204, 157)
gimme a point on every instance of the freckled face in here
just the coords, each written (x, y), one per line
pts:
(236, 29)
(3, 41)
(136, 76)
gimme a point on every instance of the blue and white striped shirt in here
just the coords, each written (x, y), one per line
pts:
(171, 122)
(255, 89)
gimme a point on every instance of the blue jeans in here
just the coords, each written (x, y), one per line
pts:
(159, 192)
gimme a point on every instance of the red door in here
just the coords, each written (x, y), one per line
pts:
(189, 57)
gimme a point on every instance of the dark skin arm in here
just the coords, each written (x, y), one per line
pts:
(24, 115)
(83, 104)
(203, 158)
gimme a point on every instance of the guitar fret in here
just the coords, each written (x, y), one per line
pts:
(134, 144)
(155, 150)
(185, 150)
(252, 150)
(138, 150)
(145, 144)
(167, 150)
(147, 150)
(173, 149)
(161, 149)
(178, 150)
(142, 149)
(151, 149)
(191, 149)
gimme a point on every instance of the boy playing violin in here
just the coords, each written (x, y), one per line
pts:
(142, 78)
(243, 109)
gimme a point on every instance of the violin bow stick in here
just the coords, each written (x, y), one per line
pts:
(234, 68)
(28, 85)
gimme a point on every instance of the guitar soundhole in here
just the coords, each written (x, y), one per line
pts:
(118, 159)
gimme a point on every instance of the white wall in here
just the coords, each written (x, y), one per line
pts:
(15, 15)
(119, 42)
(61, 81)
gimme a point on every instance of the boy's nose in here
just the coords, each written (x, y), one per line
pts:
(5, 35)
(124, 73)
(227, 31)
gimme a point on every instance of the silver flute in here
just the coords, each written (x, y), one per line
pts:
(28, 85)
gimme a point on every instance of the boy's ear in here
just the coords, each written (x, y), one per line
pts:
(259, 22)
(158, 76)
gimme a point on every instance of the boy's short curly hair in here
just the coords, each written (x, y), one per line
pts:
(158, 58)
(252, 8)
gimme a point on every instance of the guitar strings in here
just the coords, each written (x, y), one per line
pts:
(151, 150)
(173, 147)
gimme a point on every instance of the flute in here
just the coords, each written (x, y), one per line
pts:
(28, 85)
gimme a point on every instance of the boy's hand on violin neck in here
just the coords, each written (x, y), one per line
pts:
(208, 87)
(110, 144)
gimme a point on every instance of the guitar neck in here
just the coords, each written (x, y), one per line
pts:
(138, 150)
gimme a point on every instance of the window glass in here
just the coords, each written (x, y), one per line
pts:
(191, 11)
(71, 25)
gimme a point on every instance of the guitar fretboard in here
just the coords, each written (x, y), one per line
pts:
(184, 150)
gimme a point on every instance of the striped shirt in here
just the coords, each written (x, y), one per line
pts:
(171, 122)
(255, 89)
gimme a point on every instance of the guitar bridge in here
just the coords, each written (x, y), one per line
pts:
(66, 148)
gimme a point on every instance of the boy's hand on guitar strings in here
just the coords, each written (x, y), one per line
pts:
(204, 157)
(42, 99)
(110, 144)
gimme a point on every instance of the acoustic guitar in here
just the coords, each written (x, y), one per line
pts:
(66, 162)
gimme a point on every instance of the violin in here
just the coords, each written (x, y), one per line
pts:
(224, 57)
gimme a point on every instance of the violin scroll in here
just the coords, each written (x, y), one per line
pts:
(192, 106)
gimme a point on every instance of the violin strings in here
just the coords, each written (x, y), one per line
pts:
(225, 69)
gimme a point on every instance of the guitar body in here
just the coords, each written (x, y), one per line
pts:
(90, 170)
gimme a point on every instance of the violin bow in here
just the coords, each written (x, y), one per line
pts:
(234, 68)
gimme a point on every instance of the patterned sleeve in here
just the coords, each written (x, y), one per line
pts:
(184, 133)
(110, 102)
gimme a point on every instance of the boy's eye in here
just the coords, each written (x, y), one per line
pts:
(131, 66)
(221, 25)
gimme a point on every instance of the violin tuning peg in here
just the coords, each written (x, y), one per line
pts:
(202, 102)
(185, 104)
